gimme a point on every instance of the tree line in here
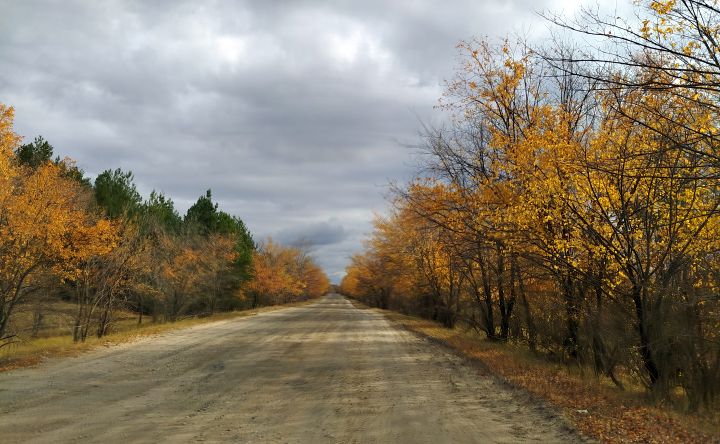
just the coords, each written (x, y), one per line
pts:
(572, 202)
(102, 246)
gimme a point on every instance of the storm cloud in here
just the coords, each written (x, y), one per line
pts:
(296, 114)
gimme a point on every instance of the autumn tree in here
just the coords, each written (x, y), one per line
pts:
(220, 271)
(205, 217)
(109, 251)
(565, 214)
(42, 212)
(316, 281)
(95, 278)
(282, 274)
(180, 274)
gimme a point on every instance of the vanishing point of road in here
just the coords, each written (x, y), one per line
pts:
(322, 372)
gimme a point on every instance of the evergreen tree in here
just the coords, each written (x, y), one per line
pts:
(161, 210)
(36, 153)
(203, 215)
(116, 193)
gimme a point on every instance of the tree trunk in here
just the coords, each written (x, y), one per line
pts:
(571, 318)
(487, 289)
(140, 309)
(645, 346)
(530, 322)
(505, 307)
(37, 322)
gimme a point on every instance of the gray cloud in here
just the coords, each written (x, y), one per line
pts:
(296, 114)
(315, 234)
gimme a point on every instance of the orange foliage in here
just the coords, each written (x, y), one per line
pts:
(44, 223)
(284, 274)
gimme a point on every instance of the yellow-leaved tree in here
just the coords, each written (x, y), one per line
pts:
(44, 223)
(282, 274)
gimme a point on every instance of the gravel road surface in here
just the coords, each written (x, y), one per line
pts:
(323, 372)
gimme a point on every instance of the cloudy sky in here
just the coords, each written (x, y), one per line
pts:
(296, 114)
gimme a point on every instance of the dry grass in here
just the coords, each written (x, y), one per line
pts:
(597, 409)
(57, 318)
(29, 352)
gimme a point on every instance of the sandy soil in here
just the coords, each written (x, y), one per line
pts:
(325, 372)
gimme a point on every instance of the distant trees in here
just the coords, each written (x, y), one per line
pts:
(572, 208)
(108, 250)
(283, 274)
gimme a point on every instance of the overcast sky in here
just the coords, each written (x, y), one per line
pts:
(296, 114)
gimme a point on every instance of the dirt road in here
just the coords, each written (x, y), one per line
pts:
(325, 372)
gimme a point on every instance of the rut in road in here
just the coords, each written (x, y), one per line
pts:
(324, 372)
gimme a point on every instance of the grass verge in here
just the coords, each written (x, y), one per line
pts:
(597, 410)
(33, 351)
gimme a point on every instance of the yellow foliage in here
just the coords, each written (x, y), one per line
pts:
(44, 222)
(283, 274)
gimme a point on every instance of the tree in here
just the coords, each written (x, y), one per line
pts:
(42, 217)
(591, 208)
(40, 152)
(218, 263)
(180, 274)
(116, 194)
(316, 281)
(159, 209)
(36, 153)
(283, 274)
(205, 217)
(96, 278)
(131, 254)
(244, 245)
(204, 214)
(672, 49)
